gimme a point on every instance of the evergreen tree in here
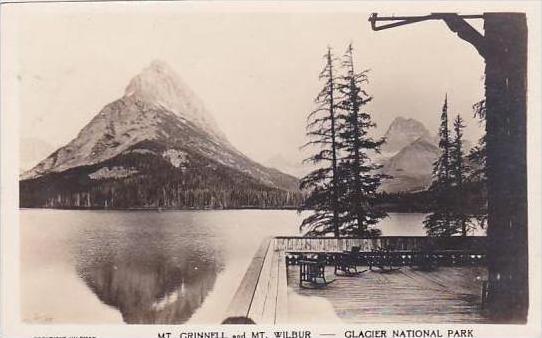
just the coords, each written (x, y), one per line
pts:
(460, 217)
(477, 155)
(438, 222)
(451, 213)
(476, 174)
(322, 183)
(357, 173)
(441, 168)
(457, 163)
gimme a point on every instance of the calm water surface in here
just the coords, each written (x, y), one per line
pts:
(147, 266)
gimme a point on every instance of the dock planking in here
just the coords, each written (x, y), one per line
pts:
(281, 311)
(262, 294)
(243, 298)
(447, 294)
(270, 306)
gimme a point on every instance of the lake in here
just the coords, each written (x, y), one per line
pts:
(147, 266)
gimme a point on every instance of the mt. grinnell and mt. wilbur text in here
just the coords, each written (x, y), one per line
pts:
(158, 147)
(391, 333)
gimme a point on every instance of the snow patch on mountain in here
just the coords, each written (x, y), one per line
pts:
(115, 172)
(176, 157)
(142, 151)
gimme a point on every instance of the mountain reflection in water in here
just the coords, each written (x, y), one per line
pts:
(102, 267)
(150, 274)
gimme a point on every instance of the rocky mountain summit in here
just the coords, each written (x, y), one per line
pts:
(157, 146)
(402, 132)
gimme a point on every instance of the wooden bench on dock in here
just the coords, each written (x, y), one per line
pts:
(313, 271)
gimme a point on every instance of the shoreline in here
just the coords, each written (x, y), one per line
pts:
(388, 210)
(157, 209)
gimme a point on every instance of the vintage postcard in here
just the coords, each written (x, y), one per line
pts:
(178, 169)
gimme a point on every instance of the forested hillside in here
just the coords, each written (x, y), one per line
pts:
(144, 178)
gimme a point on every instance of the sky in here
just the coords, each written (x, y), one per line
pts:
(255, 70)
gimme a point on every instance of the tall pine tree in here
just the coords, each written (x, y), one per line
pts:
(438, 222)
(451, 215)
(441, 168)
(457, 163)
(357, 173)
(322, 183)
(476, 173)
(477, 155)
(460, 217)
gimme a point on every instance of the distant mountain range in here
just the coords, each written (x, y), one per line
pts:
(159, 147)
(408, 156)
(156, 147)
(411, 168)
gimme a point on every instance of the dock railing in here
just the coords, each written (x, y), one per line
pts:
(403, 243)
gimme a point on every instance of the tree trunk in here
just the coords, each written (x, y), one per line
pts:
(335, 193)
(506, 85)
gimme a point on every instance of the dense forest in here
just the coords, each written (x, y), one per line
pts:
(425, 201)
(142, 178)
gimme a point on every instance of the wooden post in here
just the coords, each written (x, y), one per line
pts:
(504, 48)
(506, 117)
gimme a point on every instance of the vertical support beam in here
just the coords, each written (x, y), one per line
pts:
(506, 103)
(504, 48)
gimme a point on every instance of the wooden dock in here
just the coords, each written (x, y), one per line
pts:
(262, 294)
(447, 294)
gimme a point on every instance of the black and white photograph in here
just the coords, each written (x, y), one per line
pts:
(285, 164)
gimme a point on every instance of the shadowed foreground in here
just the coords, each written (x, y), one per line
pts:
(445, 295)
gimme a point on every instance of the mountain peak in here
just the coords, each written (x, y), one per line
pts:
(159, 64)
(161, 133)
(159, 85)
(403, 122)
(156, 75)
(164, 70)
(402, 132)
